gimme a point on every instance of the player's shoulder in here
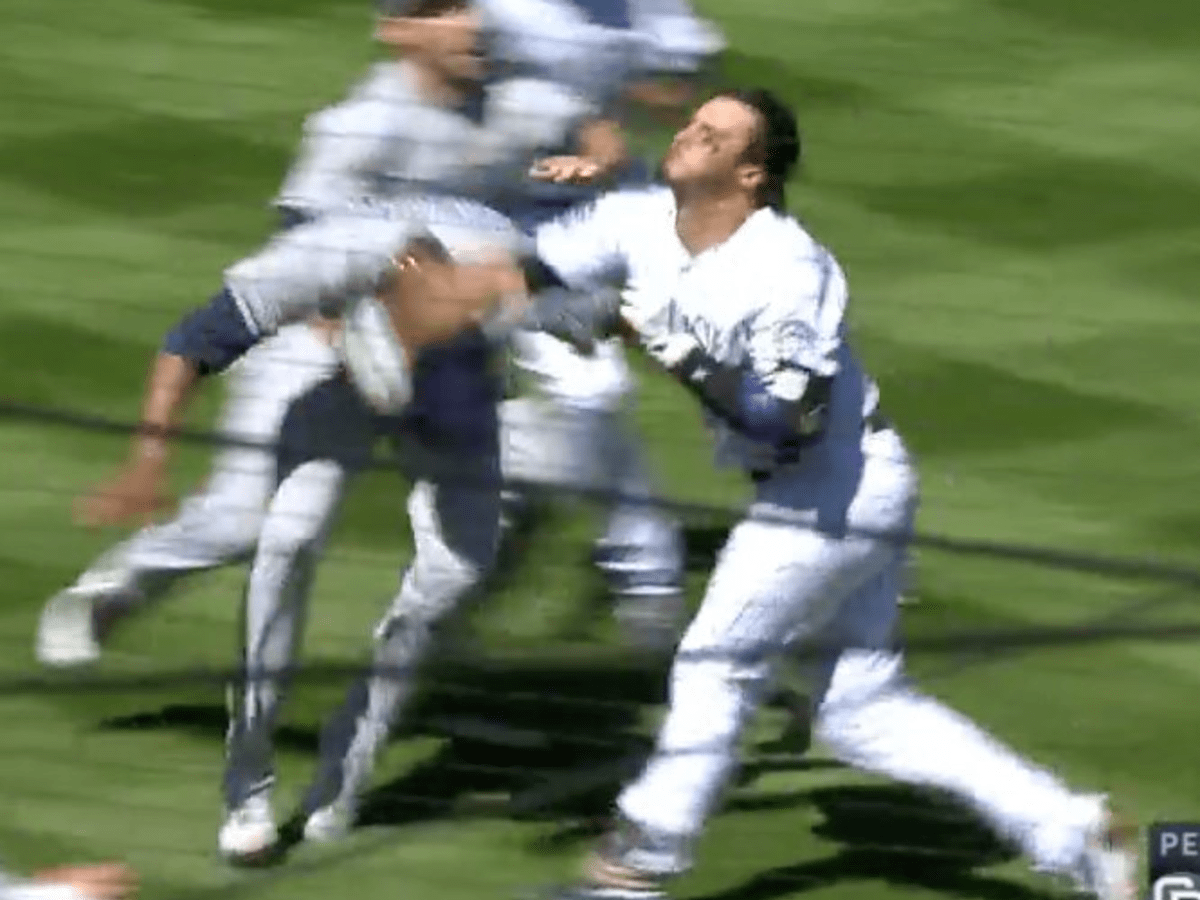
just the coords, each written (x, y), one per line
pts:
(790, 270)
(373, 98)
(382, 81)
(782, 245)
(622, 208)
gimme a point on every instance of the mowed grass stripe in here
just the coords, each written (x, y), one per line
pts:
(199, 104)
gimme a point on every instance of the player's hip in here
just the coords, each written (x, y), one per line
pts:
(843, 486)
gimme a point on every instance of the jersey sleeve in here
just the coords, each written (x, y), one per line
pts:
(317, 267)
(584, 246)
(797, 334)
(675, 40)
(534, 114)
(324, 265)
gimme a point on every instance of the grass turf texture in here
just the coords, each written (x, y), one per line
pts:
(1012, 186)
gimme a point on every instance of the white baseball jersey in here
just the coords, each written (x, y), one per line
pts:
(770, 298)
(385, 138)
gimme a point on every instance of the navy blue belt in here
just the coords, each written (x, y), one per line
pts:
(872, 424)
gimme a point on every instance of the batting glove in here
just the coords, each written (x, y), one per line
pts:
(577, 317)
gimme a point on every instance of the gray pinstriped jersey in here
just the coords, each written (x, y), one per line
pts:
(384, 139)
(384, 166)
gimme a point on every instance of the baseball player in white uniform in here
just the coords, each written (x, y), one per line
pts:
(737, 301)
(392, 133)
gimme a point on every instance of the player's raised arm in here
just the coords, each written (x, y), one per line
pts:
(574, 270)
(600, 152)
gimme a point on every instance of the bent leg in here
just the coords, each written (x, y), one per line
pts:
(871, 717)
(455, 531)
(297, 525)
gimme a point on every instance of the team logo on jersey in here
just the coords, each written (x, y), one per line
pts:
(794, 339)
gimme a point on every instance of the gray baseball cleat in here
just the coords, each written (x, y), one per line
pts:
(74, 624)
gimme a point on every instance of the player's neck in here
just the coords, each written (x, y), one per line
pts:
(703, 222)
(433, 87)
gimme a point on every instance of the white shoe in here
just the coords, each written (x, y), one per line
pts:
(329, 823)
(66, 634)
(249, 831)
(1108, 866)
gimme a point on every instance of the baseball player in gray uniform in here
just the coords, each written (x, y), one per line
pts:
(732, 297)
(447, 428)
(391, 133)
(405, 150)
(575, 428)
(407, 354)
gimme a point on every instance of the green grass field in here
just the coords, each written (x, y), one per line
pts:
(1012, 185)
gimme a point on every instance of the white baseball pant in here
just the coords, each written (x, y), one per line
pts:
(576, 432)
(807, 580)
(221, 523)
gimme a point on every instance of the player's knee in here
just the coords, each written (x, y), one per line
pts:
(443, 585)
(291, 534)
(721, 688)
(436, 584)
(860, 682)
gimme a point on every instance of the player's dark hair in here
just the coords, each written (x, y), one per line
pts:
(776, 145)
(419, 9)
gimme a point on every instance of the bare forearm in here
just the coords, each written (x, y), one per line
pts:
(168, 390)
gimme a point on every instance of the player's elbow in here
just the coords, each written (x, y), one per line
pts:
(211, 337)
(772, 419)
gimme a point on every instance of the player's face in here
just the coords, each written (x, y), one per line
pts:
(454, 43)
(449, 43)
(708, 150)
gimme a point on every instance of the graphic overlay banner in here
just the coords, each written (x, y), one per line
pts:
(1173, 861)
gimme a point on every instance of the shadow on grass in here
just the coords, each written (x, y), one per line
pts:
(554, 745)
(889, 833)
(511, 728)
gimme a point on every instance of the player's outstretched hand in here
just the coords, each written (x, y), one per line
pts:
(567, 170)
(136, 495)
(104, 881)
